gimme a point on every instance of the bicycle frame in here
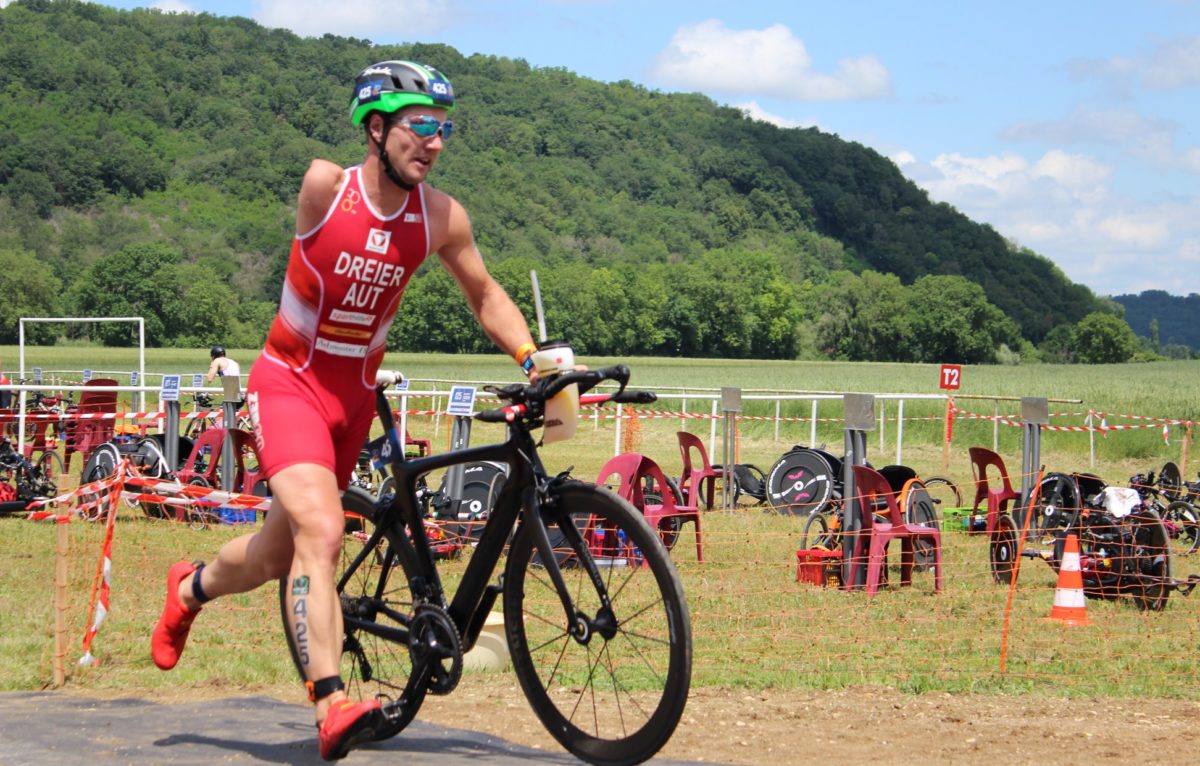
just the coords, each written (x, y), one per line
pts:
(524, 488)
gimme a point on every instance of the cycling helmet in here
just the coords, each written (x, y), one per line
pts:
(217, 351)
(392, 85)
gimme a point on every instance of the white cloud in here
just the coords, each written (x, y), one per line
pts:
(1066, 207)
(1191, 160)
(356, 18)
(710, 57)
(1170, 65)
(756, 112)
(1139, 136)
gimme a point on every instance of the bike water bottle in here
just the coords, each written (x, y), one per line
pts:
(562, 412)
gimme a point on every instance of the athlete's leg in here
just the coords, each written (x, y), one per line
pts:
(308, 494)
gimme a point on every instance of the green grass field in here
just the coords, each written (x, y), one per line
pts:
(755, 626)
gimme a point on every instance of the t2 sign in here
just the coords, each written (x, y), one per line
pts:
(951, 377)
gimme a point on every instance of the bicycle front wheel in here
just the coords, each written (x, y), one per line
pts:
(376, 604)
(610, 684)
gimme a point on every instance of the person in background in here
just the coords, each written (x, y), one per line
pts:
(222, 366)
(361, 232)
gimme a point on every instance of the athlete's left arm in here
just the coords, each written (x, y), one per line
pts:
(497, 314)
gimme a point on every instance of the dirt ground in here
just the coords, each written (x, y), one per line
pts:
(872, 725)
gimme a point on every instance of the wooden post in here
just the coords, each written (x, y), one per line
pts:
(1184, 450)
(948, 435)
(61, 552)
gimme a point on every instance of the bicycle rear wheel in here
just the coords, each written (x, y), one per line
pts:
(376, 605)
(611, 687)
(50, 474)
(1183, 525)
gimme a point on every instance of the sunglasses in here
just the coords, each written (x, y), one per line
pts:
(427, 127)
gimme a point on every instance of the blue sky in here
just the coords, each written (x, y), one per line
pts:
(1069, 126)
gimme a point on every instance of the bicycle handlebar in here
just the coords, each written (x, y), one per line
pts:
(530, 399)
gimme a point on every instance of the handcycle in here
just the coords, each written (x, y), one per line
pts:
(1179, 517)
(1123, 544)
(594, 611)
(29, 480)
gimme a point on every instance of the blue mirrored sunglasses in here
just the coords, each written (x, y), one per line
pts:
(427, 127)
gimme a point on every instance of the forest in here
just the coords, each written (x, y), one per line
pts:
(149, 163)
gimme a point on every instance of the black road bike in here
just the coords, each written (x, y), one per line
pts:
(594, 611)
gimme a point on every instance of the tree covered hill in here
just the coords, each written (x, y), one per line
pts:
(1177, 317)
(658, 223)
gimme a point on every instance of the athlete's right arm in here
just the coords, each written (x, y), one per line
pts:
(317, 190)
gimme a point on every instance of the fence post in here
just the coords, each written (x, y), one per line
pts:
(900, 432)
(812, 434)
(949, 433)
(858, 418)
(731, 405)
(61, 553)
(778, 414)
(617, 430)
(1185, 449)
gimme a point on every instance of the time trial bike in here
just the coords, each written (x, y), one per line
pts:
(595, 617)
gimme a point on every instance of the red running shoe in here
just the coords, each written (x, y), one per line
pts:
(346, 726)
(171, 632)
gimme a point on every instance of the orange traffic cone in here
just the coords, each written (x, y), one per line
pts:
(1070, 603)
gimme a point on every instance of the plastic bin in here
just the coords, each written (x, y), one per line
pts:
(812, 565)
(236, 515)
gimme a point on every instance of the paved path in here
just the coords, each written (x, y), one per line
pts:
(51, 728)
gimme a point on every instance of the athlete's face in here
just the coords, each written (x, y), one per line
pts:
(413, 155)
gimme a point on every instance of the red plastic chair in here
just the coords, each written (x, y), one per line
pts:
(698, 474)
(244, 446)
(85, 435)
(634, 469)
(872, 487)
(212, 439)
(423, 446)
(997, 498)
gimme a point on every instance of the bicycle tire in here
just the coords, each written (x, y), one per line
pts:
(619, 702)
(919, 507)
(816, 533)
(374, 601)
(944, 492)
(101, 464)
(49, 474)
(1185, 523)
(1002, 550)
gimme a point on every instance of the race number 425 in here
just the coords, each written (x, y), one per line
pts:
(950, 377)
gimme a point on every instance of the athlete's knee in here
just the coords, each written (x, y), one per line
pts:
(320, 537)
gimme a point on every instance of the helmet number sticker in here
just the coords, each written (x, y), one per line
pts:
(370, 91)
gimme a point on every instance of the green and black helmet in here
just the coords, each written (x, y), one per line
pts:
(392, 85)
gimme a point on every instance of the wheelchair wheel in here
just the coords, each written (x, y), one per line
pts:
(1003, 550)
(1182, 522)
(816, 533)
(919, 507)
(1059, 502)
(1170, 482)
(1150, 560)
(800, 483)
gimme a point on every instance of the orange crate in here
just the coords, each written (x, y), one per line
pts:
(812, 565)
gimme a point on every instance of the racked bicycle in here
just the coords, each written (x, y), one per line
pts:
(594, 611)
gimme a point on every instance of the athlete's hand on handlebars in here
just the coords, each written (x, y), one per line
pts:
(387, 378)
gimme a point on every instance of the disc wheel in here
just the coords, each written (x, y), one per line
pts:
(611, 682)
(1003, 550)
(377, 609)
(800, 482)
(100, 465)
